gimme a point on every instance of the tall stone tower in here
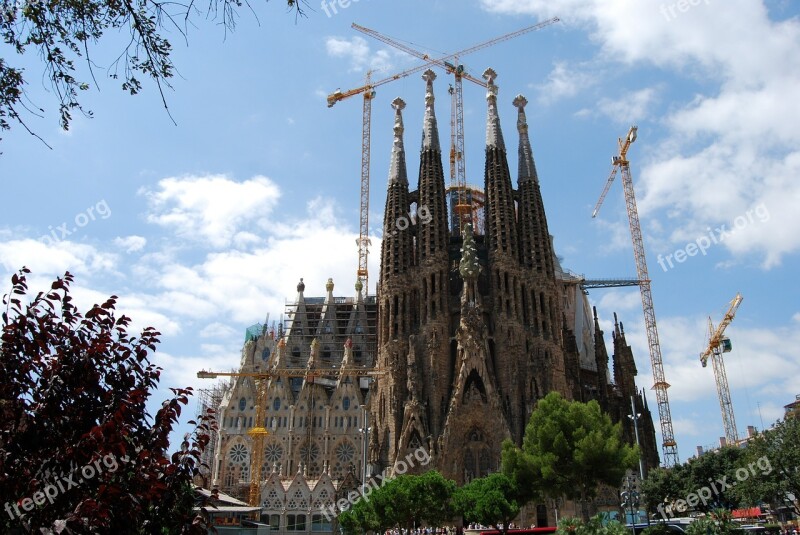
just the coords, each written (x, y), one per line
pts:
(470, 326)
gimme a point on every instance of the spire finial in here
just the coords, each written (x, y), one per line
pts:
(430, 131)
(494, 136)
(527, 168)
(522, 123)
(397, 165)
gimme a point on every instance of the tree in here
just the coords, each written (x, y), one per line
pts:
(64, 33)
(406, 501)
(361, 517)
(703, 483)
(597, 525)
(772, 464)
(664, 486)
(718, 522)
(490, 501)
(574, 447)
(78, 449)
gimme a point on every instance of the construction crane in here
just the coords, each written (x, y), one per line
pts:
(717, 345)
(451, 65)
(259, 432)
(620, 162)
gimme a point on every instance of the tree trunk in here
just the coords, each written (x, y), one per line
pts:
(584, 505)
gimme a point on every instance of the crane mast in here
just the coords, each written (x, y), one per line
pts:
(363, 227)
(717, 345)
(660, 385)
(451, 65)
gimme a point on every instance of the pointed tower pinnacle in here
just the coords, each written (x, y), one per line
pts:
(430, 131)
(494, 136)
(527, 168)
(397, 166)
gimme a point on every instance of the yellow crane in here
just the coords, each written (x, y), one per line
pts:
(457, 150)
(717, 345)
(259, 432)
(368, 92)
(451, 65)
(620, 162)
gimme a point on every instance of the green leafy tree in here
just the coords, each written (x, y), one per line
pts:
(703, 483)
(772, 460)
(597, 525)
(524, 474)
(573, 447)
(709, 468)
(717, 522)
(490, 501)
(665, 486)
(63, 34)
(406, 501)
(78, 450)
(360, 518)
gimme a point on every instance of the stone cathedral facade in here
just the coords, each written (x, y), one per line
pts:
(473, 329)
(469, 328)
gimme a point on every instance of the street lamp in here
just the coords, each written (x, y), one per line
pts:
(364, 431)
(635, 417)
(630, 499)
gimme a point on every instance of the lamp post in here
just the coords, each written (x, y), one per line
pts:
(364, 431)
(630, 500)
(635, 417)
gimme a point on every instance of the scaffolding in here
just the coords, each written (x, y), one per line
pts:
(211, 398)
(350, 321)
(472, 197)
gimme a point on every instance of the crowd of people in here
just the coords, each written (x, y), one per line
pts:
(448, 530)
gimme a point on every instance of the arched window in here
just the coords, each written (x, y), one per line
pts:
(265, 354)
(242, 404)
(276, 404)
(345, 403)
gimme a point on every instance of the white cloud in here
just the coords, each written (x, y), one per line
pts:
(130, 244)
(630, 109)
(55, 258)
(357, 51)
(731, 146)
(213, 208)
(563, 82)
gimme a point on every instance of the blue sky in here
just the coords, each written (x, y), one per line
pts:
(205, 227)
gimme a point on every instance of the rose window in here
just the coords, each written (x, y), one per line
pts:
(238, 453)
(273, 453)
(345, 452)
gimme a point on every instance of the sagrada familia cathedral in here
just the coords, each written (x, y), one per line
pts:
(469, 328)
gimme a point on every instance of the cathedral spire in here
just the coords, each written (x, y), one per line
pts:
(527, 167)
(501, 225)
(494, 135)
(430, 131)
(397, 167)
